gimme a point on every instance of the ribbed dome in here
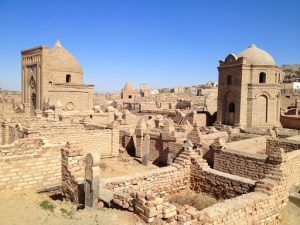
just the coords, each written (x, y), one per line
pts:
(128, 86)
(257, 56)
(60, 59)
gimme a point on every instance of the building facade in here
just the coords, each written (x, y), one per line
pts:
(249, 89)
(53, 77)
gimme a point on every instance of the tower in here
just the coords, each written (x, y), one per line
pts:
(248, 91)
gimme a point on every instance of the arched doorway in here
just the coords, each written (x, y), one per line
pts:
(33, 103)
(231, 114)
(262, 109)
(229, 107)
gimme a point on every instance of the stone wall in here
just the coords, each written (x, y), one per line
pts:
(39, 166)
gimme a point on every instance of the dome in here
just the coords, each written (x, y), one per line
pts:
(128, 86)
(256, 56)
(60, 59)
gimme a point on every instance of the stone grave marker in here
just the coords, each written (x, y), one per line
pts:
(146, 149)
(92, 180)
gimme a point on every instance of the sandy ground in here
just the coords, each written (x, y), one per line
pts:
(23, 208)
(122, 165)
(291, 214)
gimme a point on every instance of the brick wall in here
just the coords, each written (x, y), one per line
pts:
(38, 167)
(160, 146)
(243, 164)
(72, 172)
(287, 145)
(253, 145)
(293, 164)
(219, 184)
(167, 179)
(105, 141)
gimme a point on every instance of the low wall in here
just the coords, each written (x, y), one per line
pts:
(253, 145)
(262, 206)
(287, 145)
(38, 167)
(219, 184)
(253, 166)
(293, 164)
(167, 179)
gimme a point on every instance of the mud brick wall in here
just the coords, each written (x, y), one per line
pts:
(293, 164)
(253, 166)
(72, 172)
(21, 147)
(39, 167)
(160, 146)
(287, 145)
(167, 179)
(241, 136)
(219, 184)
(104, 141)
(156, 148)
(260, 207)
(8, 133)
(253, 145)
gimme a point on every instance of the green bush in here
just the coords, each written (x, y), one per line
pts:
(46, 205)
(66, 213)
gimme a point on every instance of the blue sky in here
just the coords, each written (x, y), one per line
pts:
(163, 43)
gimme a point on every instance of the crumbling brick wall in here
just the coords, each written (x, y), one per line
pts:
(39, 166)
(219, 184)
(72, 172)
(167, 179)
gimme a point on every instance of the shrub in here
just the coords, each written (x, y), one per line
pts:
(198, 200)
(46, 205)
(66, 213)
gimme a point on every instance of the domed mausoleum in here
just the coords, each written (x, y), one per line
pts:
(248, 91)
(53, 77)
(128, 92)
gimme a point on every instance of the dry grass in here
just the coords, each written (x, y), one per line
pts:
(198, 200)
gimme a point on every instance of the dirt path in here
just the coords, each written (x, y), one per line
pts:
(23, 208)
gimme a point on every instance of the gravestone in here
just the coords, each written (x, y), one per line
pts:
(146, 149)
(170, 158)
(92, 179)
